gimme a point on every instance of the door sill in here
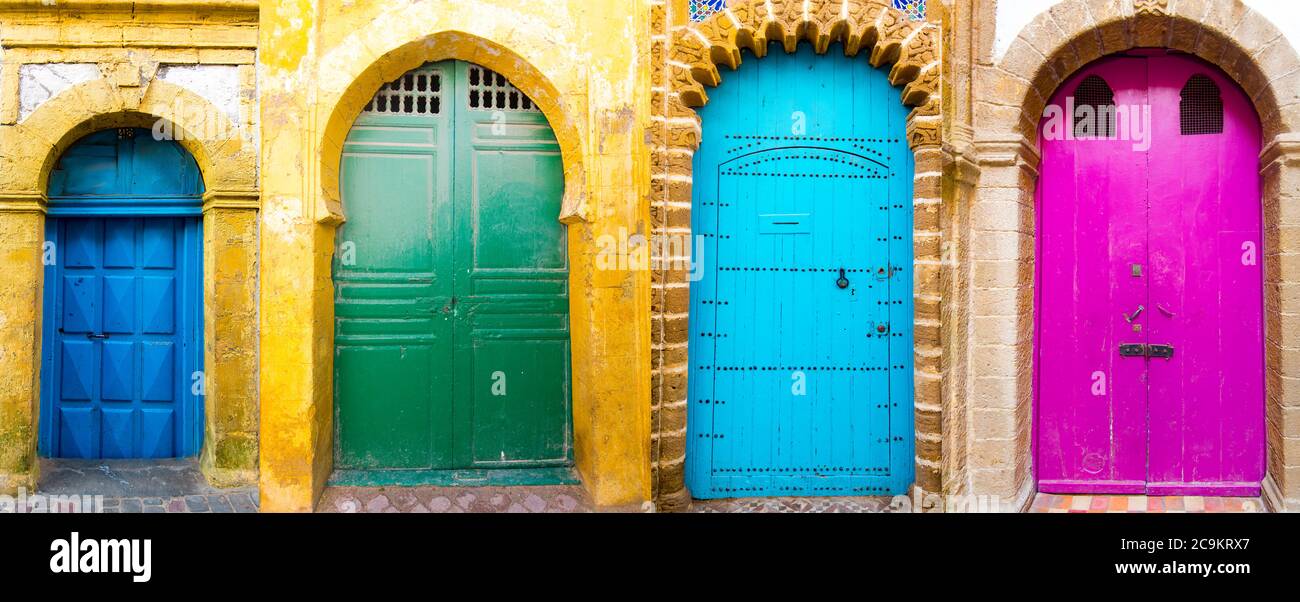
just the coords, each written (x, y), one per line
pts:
(1081, 487)
(485, 477)
(1077, 486)
(1228, 489)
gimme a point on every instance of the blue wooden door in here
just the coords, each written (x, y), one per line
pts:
(801, 324)
(122, 345)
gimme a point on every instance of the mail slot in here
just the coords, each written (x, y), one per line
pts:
(784, 223)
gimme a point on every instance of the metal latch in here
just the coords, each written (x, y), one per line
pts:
(1133, 350)
(1140, 350)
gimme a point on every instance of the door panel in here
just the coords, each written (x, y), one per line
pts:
(477, 277)
(1206, 403)
(1092, 231)
(1124, 225)
(122, 338)
(798, 385)
(393, 291)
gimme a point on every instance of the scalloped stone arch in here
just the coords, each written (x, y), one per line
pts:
(1009, 97)
(227, 162)
(910, 51)
(359, 71)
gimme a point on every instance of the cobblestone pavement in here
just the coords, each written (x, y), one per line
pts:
(454, 499)
(242, 501)
(814, 505)
(1047, 502)
(124, 486)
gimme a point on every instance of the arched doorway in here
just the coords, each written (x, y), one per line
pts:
(451, 287)
(123, 312)
(801, 326)
(1149, 352)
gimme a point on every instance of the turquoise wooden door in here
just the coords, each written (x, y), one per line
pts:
(122, 343)
(801, 326)
(451, 280)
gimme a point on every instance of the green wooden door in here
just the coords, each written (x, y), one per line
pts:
(451, 287)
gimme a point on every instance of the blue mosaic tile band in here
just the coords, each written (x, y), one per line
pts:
(703, 9)
(915, 9)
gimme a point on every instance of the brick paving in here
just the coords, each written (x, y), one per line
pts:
(569, 499)
(1112, 504)
(228, 501)
(420, 500)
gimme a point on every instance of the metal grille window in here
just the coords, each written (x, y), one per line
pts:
(491, 91)
(1094, 92)
(417, 92)
(1201, 108)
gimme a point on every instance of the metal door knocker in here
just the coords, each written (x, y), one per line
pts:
(842, 281)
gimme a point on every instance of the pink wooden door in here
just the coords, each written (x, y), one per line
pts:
(1149, 241)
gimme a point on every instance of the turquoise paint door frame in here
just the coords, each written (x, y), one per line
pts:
(123, 309)
(451, 288)
(801, 326)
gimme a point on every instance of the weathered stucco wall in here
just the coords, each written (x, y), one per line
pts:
(76, 67)
(583, 63)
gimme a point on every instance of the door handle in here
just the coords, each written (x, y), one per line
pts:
(451, 305)
(1164, 310)
(1137, 312)
(97, 337)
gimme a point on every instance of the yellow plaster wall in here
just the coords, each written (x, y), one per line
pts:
(585, 64)
(129, 41)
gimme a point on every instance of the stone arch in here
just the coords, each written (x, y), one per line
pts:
(375, 67)
(1009, 97)
(910, 51)
(228, 163)
(1226, 33)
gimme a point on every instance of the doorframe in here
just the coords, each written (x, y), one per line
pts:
(556, 472)
(185, 207)
(1008, 94)
(871, 30)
